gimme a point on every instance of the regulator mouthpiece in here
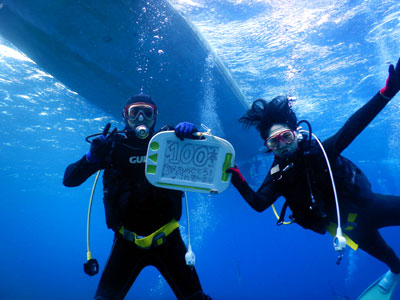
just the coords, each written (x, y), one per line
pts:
(142, 131)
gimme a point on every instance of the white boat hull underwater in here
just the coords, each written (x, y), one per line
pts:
(108, 50)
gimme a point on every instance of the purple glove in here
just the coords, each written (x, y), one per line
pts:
(392, 82)
(237, 177)
(185, 130)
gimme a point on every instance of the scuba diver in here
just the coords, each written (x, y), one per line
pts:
(301, 174)
(143, 217)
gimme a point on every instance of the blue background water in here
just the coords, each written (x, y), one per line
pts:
(331, 55)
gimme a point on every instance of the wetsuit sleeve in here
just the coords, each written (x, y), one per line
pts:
(76, 173)
(354, 125)
(263, 198)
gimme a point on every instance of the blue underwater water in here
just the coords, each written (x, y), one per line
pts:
(332, 56)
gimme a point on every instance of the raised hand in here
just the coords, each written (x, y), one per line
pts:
(392, 82)
(101, 146)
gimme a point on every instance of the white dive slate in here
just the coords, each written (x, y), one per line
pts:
(189, 165)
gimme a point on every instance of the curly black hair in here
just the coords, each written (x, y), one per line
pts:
(263, 115)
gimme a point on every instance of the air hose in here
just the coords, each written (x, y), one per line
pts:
(189, 256)
(339, 241)
(91, 267)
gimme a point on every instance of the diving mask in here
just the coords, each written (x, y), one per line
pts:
(133, 111)
(287, 136)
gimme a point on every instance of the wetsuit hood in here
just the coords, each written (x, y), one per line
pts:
(141, 98)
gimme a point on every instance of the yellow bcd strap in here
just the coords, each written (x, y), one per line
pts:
(351, 218)
(331, 228)
(157, 238)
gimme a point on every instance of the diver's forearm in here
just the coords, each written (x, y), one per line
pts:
(255, 200)
(77, 173)
(357, 123)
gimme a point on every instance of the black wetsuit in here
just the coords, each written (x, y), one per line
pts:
(131, 201)
(305, 183)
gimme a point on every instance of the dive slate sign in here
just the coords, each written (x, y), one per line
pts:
(189, 165)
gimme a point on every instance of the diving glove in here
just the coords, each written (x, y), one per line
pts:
(185, 130)
(101, 147)
(237, 177)
(392, 82)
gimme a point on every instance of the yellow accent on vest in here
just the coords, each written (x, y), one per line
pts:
(147, 242)
(277, 216)
(351, 218)
(331, 228)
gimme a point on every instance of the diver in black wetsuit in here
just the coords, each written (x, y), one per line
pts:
(135, 209)
(299, 173)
